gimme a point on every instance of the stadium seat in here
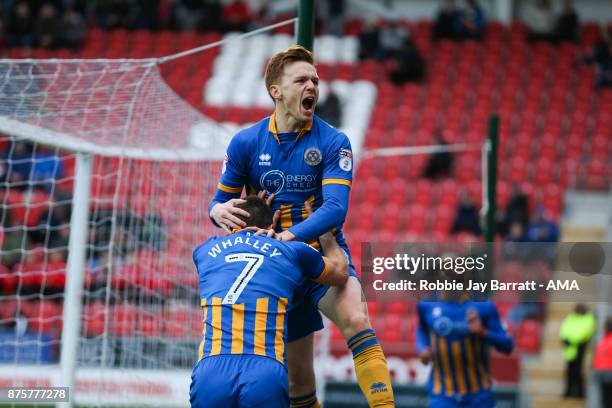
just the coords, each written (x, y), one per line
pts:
(529, 336)
(93, 319)
(44, 316)
(123, 320)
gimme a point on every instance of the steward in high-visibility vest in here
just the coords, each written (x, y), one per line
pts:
(577, 330)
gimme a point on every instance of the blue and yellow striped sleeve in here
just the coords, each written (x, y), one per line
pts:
(310, 261)
(336, 186)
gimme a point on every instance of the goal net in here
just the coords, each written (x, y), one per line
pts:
(155, 161)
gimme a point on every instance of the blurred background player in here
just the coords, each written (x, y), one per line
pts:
(246, 287)
(296, 157)
(454, 333)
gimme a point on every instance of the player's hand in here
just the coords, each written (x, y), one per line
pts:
(285, 236)
(224, 214)
(425, 355)
(262, 194)
(475, 324)
(270, 233)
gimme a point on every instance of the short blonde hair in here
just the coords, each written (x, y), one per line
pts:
(276, 64)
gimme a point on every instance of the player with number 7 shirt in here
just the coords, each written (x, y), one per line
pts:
(247, 283)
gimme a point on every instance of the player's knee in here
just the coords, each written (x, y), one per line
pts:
(356, 322)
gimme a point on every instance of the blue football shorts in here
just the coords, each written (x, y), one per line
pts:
(304, 317)
(239, 381)
(484, 399)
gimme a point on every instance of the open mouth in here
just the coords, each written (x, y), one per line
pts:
(308, 103)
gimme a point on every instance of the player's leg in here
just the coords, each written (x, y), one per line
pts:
(347, 308)
(263, 383)
(302, 321)
(212, 383)
(300, 359)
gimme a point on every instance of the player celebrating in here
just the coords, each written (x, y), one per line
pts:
(297, 157)
(246, 287)
(455, 333)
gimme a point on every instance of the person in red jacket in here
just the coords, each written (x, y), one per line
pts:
(602, 364)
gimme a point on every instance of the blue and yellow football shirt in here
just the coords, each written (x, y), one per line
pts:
(246, 287)
(460, 358)
(314, 164)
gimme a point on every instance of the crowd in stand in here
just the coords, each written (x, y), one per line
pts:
(35, 221)
(52, 24)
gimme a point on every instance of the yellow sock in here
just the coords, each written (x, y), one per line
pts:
(371, 369)
(305, 401)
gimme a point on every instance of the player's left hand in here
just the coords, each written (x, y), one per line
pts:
(475, 324)
(262, 194)
(268, 232)
(285, 236)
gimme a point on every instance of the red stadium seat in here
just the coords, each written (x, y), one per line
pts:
(529, 336)
(44, 316)
(93, 319)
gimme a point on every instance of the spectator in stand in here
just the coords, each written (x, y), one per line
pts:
(603, 58)
(146, 14)
(568, 23)
(335, 17)
(20, 26)
(545, 233)
(518, 207)
(16, 243)
(187, 14)
(113, 13)
(466, 218)
(516, 232)
(331, 109)
(211, 16)
(19, 160)
(470, 22)
(410, 65)
(602, 365)
(73, 29)
(392, 38)
(540, 21)
(577, 330)
(369, 41)
(542, 229)
(439, 164)
(512, 250)
(51, 223)
(236, 16)
(153, 233)
(446, 21)
(47, 168)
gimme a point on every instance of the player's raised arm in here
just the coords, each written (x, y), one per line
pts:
(337, 182)
(222, 209)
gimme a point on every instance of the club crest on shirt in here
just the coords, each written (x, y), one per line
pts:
(346, 160)
(313, 156)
